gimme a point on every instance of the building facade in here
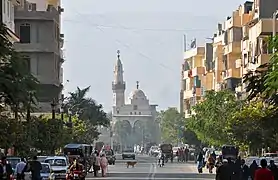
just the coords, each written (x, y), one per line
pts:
(37, 23)
(7, 16)
(197, 76)
(239, 46)
(137, 108)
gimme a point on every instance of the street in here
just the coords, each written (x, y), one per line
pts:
(146, 168)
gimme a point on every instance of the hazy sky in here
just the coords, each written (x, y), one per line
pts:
(149, 34)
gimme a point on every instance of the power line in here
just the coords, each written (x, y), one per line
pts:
(123, 44)
(137, 28)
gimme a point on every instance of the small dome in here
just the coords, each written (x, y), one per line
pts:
(137, 94)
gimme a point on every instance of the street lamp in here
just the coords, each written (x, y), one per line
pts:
(275, 14)
(70, 116)
(53, 106)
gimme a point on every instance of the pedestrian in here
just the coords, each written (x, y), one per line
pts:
(103, 165)
(273, 168)
(35, 167)
(200, 161)
(19, 169)
(253, 167)
(224, 171)
(96, 164)
(263, 173)
(245, 172)
(6, 169)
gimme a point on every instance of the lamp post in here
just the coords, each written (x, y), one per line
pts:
(53, 106)
(70, 120)
(274, 18)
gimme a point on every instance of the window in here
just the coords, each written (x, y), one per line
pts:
(135, 113)
(130, 113)
(25, 33)
(139, 113)
(33, 6)
(135, 107)
(118, 112)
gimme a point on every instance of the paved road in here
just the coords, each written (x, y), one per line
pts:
(146, 168)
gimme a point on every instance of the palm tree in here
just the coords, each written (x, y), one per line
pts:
(88, 111)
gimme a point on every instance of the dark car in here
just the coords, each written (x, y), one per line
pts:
(128, 154)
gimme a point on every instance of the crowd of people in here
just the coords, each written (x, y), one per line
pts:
(182, 154)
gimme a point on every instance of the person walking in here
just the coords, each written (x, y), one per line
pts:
(253, 167)
(35, 167)
(96, 164)
(19, 169)
(263, 173)
(103, 165)
(273, 168)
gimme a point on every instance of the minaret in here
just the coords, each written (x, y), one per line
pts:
(118, 85)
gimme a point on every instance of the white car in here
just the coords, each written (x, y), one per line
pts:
(59, 166)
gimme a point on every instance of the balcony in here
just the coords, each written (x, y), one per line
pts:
(198, 71)
(187, 94)
(232, 73)
(61, 77)
(263, 27)
(187, 114)
(187, 74)
(234, 21)
(263, 59)
(199, 51)
(233, 47)
(198, 92)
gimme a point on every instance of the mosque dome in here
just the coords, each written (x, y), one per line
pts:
(137, 94)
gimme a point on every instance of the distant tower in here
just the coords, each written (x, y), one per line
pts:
(118, 85)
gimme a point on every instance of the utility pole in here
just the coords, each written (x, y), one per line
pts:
(274, 32)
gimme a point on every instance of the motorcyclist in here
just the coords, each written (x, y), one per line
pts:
(76, 166)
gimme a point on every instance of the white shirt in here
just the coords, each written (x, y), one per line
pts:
(19, 167)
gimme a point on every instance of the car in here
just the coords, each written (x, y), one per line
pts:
(45, 173)
(42, 158)
(59, 166)
(154, 151)
(128, 153)
(12, 160)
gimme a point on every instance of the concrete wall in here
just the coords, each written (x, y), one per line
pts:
(267, 8)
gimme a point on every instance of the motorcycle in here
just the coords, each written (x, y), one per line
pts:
(76, 175)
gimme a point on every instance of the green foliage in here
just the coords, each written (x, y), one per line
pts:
(210, 117)
(17, 84)
(174, 128)
(89, 112)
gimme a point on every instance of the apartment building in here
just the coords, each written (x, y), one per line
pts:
(37, 23)
(239, 46)
(255, 51)
(7, 16)
(196, 61)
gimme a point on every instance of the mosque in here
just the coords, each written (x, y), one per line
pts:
(137, 107)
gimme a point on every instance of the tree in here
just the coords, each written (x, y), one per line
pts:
(174, 128)
(210, 117)
(88, 111)
(17, 84)
(262, 83)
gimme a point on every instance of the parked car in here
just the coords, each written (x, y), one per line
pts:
(12, 160)
(59, 166)
(128, 153)
(42, 158)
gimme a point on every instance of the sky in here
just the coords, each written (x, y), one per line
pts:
(149, 34)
